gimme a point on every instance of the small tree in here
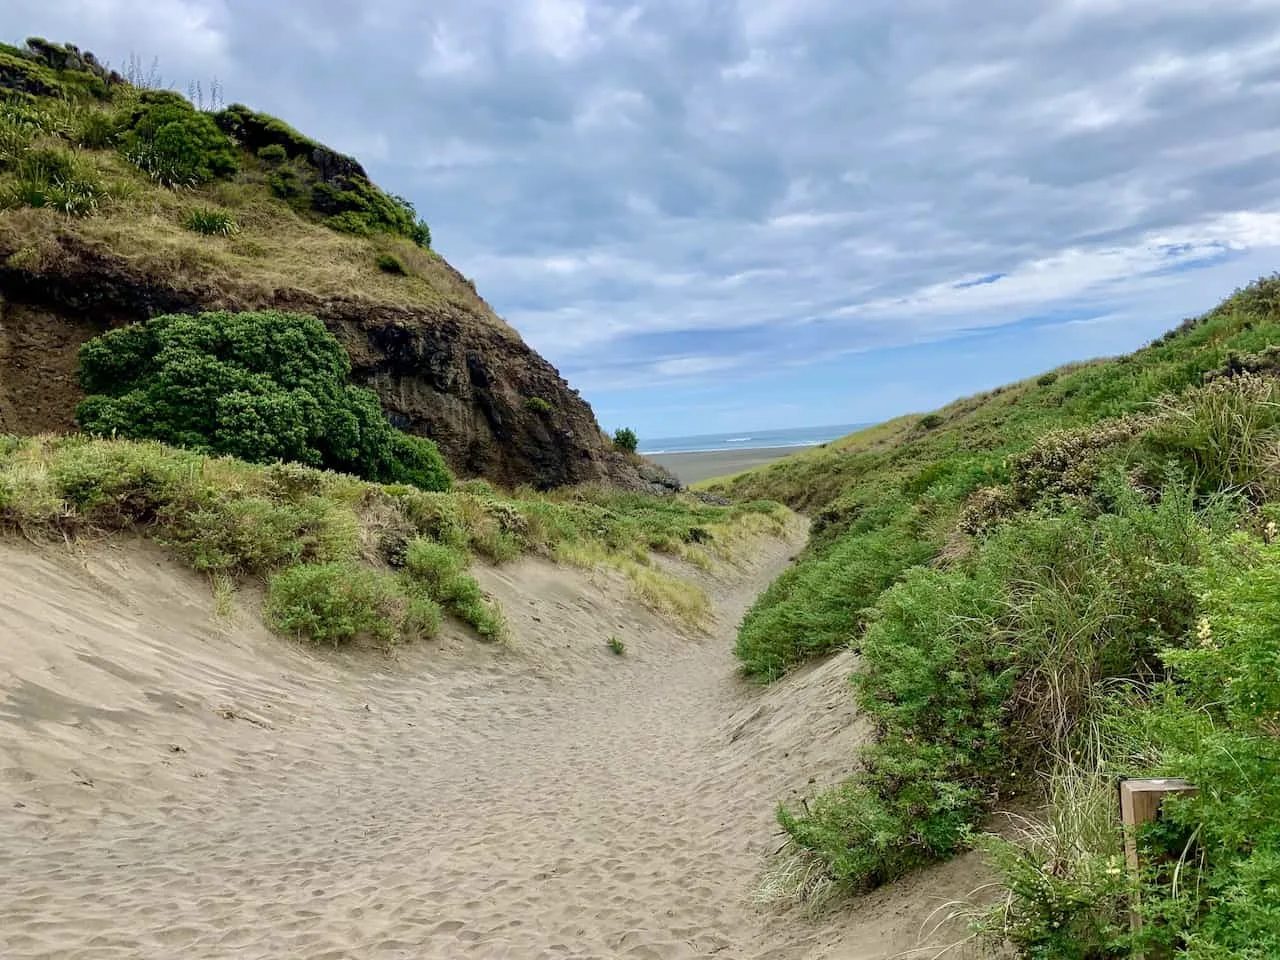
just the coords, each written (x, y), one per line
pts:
(625, 439)
(260, 386)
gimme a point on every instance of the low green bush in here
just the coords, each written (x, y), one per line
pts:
(821, 606)
(335, 602)
(421, 620)
(257, 534)
(389, 263)
(435, 565)
(273, 153)
(538, 405)
(441, 570)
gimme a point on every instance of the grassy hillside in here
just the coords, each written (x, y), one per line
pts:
(344, 558)
(1052, 584)
(185, 194)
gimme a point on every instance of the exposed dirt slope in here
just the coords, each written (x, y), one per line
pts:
(178, 784)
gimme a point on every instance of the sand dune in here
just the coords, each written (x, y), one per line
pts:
(175, 782)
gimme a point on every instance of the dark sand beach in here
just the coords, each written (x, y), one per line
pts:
(692, 467)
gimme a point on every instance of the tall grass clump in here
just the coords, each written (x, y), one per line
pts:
(1066, 889)
(211, 222)
(57, 179)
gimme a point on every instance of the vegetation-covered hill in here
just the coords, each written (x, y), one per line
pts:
(1050, 585)
(119, 202)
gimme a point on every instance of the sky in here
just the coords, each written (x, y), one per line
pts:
(750, 214)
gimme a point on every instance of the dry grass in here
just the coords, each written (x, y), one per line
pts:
(275, 249)
(656, 589)
(796, 877)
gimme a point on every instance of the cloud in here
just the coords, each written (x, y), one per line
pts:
(703, 195)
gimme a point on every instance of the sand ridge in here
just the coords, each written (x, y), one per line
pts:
(174, 783)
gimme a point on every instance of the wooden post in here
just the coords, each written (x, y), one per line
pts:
(1140, 804)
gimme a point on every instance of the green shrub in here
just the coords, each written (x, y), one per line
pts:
(435, 516)
(350, 222)
(421, 620)
(22, 75)
(356, 206)
(930, 421)
(820, 606)
(441, 571)
(211, 222)
(261, 131)
(335, 602)
(539, 406)
(116, 486)
(97, 130)
(389, 263)
(273, 153)
(287, 184)
(251, 534)
(1216, 723)
(417, 461)
(625, 439)
(175, 144)
(317, 179)
(616, 646)
(259, 386)
(435, 565)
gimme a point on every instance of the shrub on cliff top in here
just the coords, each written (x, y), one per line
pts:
(175, 143)
(259, 386)
(625, 439)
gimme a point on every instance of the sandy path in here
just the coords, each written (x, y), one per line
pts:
(174, 786)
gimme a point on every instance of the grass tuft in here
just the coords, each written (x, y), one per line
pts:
(211, 222)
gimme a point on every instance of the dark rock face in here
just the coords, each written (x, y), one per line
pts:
(458, 377)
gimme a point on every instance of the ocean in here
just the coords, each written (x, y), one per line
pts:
(748, 439)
